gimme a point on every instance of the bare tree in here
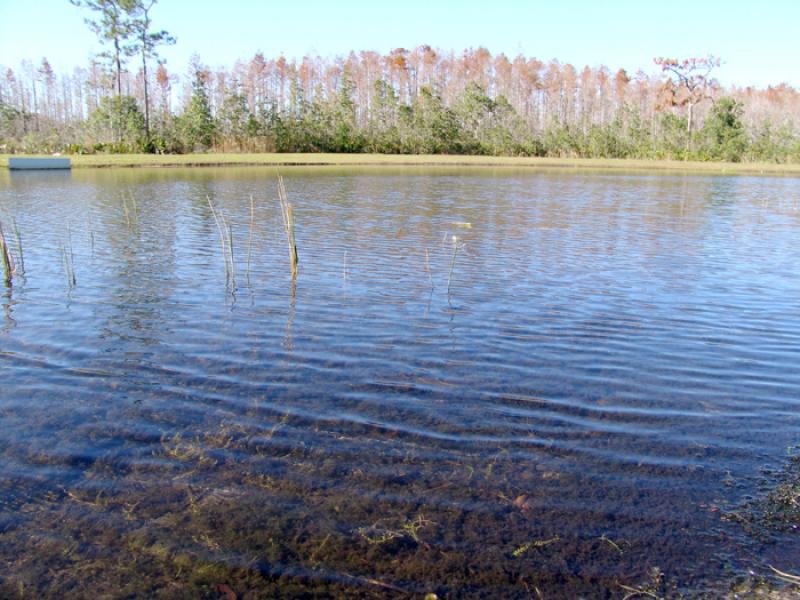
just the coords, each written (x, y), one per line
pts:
(689, 82)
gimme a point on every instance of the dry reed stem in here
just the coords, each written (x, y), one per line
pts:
(428, 267)
(221, 239)
(127, 213)
(230, 250)
(19, 247)
(69, 269)
(288, 224)
(452, 263)
(250, 235)
(8, 262)
(795, 579)
(71, 274)
(66, 264)
(135, 211)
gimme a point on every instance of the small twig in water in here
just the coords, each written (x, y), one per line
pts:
(535, 544)
(795, 579)
(611, 542)
(652, 589)
(633, 592)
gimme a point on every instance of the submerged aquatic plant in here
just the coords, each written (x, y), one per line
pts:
(288, 225)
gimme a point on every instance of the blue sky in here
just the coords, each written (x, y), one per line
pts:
(758, 41)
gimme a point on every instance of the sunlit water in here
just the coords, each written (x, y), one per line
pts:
(482, 382)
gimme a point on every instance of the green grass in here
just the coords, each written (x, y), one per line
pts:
(227, 159)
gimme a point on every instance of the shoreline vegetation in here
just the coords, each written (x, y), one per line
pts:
(98, 161)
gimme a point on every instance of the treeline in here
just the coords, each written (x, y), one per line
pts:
(407, 101)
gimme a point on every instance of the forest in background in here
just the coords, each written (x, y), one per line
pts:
(417, 101)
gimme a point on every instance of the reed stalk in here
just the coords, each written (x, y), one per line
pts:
(135, 211)
(71, 274)
(288, 225)
(8, 262)
(452, 263)
(250, 234)
(69, 268)
(221, 239)
(20, 254)
(428, 267)
(230, 250)
(127, 213)
(65, 260)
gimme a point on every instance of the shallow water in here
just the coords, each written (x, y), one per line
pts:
(609, 372)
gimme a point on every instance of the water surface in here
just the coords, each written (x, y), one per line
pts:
(604, 380)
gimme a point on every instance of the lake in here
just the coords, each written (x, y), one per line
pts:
(481, 383)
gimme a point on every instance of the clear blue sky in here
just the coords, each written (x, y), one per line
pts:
(759, 42)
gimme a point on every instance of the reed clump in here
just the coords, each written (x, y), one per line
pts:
(288, 225)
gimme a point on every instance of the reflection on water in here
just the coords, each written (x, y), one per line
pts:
(573, 405)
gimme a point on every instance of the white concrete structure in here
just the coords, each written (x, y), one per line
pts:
(28, 164)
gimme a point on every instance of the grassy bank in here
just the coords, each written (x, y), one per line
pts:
(216, 160)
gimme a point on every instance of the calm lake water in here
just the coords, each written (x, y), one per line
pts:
(575, 396)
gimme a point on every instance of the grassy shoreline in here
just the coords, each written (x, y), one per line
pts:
(412, 160)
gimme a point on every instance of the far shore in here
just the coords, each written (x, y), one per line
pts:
(412, 160)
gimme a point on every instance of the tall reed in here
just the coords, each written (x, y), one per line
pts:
(428, 267)
(69, 259)
(221, 240)
(230, 251)
(250, 234)
(452, 263)
(5, 255)
(127, 213)
(288, 224)
(20, 254)
(135, 210)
